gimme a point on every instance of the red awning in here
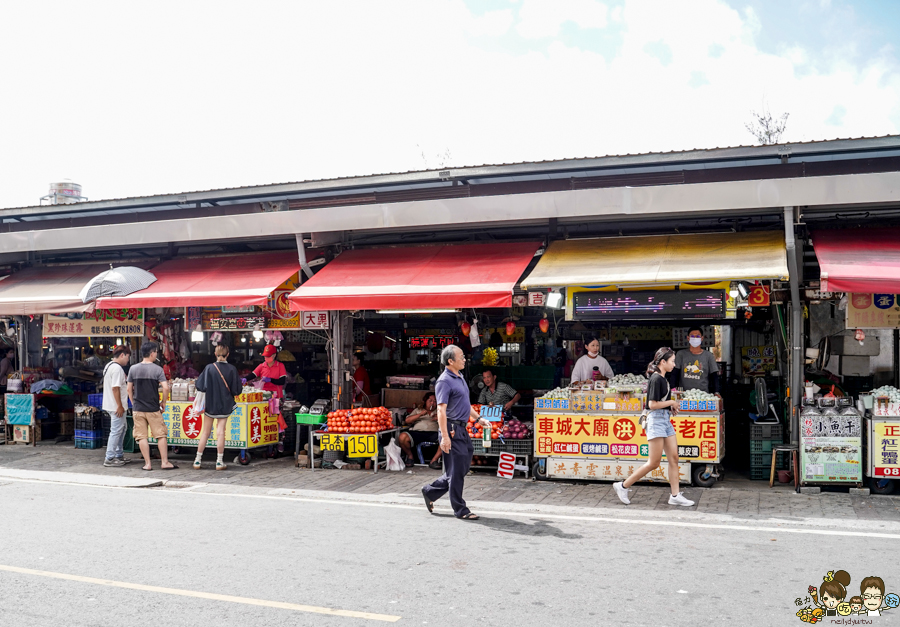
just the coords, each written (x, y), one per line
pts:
(239, 280)
(51, 289)
(859, 260)
(417, 277)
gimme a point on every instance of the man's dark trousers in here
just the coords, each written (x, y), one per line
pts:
(456, 464)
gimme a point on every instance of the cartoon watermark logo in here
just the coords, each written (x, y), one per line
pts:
(830, 599)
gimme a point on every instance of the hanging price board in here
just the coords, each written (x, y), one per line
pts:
(493, 414)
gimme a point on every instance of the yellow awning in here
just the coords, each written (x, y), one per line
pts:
(661, 260)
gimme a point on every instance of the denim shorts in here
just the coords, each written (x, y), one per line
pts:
(659, 425)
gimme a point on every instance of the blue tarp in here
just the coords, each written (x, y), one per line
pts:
(19, 409)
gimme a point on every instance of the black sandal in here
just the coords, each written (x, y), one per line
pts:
(429, 504)
(469, 516)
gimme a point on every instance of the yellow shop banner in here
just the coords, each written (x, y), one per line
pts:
(249, 426)
(621, 436)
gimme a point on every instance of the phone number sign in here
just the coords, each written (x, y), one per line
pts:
(104, 322)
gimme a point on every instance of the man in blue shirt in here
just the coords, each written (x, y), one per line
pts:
(454, 410)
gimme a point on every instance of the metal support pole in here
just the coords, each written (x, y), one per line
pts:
(22, 340)
(796, 331)
(896, 358)
(337, 370)
(301, 253)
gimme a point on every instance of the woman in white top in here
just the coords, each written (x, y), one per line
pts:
(584, 367)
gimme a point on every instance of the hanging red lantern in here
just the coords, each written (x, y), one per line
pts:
(544, 325)
(465, 327)
(510, 328)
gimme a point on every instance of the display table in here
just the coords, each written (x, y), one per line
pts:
(595, 437)
(522, 449)
(249, 426)
(356, 445)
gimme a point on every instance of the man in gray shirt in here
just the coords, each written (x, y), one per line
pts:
(144, 382)
(695, 367)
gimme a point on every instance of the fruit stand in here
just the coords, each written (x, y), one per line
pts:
(509, 436)
(355, 432)
(249, 426)
(595, 434)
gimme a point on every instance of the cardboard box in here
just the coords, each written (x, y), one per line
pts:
(856, 366)
(303, 462)
(22, 433)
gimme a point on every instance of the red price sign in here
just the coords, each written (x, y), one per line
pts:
(507, 465)
(758, 296)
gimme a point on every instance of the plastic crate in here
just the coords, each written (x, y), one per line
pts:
(763, 446)
(90, 422)
(311, 419)
(765, 431)
(89, 444)
(765, 459)
(517, 447)
(95, 400)
(81, 434)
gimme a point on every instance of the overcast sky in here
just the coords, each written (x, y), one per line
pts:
(137, 98)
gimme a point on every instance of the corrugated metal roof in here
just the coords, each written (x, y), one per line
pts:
(522, 169)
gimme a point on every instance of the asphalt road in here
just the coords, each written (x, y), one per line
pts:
(398, 562)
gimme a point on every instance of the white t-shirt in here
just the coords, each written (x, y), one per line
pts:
(584, 368)
(114, 377)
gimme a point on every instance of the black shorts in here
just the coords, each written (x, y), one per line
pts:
(424, 436)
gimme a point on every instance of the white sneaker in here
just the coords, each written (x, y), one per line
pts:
(680, 500)
(622, 492)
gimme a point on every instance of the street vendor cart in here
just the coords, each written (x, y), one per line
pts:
(596, 434)
(882, 428)
(250, 425)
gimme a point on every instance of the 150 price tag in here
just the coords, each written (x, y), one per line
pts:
(361, 445)
(492, 414)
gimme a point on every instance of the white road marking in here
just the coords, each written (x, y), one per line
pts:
(203, 595)
(531, 514)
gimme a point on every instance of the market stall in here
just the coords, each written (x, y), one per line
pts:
(236, 300)
(591, 430)
(882, 430)
(250, 425)
(403, 283)
(864, 264)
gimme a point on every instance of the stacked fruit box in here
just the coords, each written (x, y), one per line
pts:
(763, 438)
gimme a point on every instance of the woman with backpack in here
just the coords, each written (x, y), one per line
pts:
(220, 382)
(660, 432)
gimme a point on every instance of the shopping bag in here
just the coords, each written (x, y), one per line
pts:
(200, 402)
(392, 454)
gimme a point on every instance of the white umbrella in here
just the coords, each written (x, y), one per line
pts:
(116, 282)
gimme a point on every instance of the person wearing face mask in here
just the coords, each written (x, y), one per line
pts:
(584, 367)
(695, 367)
